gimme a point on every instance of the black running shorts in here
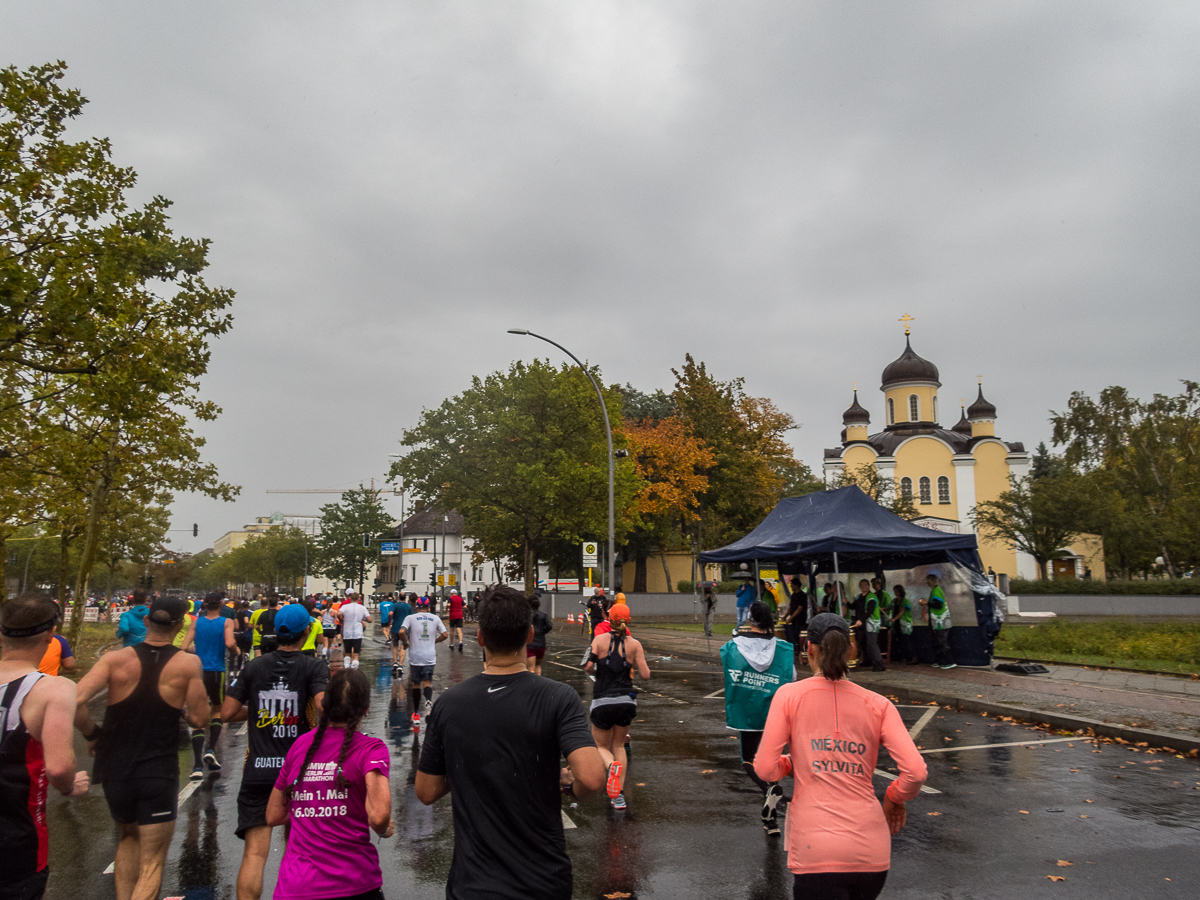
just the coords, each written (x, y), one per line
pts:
(32, 887)
(608, 715)
(456, 623)
(252, 807)
(352, 645)
(214, 686)
(142, 801)
(330, 633)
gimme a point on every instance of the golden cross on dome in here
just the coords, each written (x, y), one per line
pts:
(906, 318)
(980, 377)
(856, 387)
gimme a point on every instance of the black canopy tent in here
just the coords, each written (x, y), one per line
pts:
(846, 531)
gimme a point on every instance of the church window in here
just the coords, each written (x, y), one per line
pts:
(906, 488)
(891, 411)
(926, 490)
(943, 489)
(914, 408)
(935, 418)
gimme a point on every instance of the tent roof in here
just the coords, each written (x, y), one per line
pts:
(846, 522)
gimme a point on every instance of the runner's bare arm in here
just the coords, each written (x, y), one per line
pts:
(643, 667)
(277, 811)
(233, 711)
(189, 640)
(58, 738)
(230, 643)
(379, 804)
(403, 637)
(196, 699)
(442, 636)
(89, 686)
(431, 788)
(588, 770)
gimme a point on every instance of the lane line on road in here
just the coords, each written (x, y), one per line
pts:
(925, 789)
(1009, 744)
(715, 694)
(567, 823)
(922, 722)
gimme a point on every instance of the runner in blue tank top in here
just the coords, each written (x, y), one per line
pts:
(212, 637)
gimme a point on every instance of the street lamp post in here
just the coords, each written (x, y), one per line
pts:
(612, 580)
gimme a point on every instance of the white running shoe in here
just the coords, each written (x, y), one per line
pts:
(428, 707)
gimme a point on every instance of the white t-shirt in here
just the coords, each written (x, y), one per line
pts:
(353, 615)
(422, 629)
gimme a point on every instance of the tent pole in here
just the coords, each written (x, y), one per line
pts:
(837, 583)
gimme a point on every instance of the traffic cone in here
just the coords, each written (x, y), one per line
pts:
(570, 618)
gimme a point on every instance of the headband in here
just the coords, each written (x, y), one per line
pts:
(30, 631)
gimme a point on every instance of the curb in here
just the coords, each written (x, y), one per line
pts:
(1184, 676)
(1178, 742)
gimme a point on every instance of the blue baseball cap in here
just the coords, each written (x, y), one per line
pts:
(292, 621)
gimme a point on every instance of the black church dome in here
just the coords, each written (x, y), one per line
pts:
(981, 409)
(856, 415)
(909, 367)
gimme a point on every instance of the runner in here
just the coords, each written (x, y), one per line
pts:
(329, 851)
(212, 636)
(131, 629)
(36, 744)
(329, 628)
(756, 665)
(500, 738)
(264, 626)
(838, 840)
(401, 611)
(613, 657)
(535, 650)
(385, 615)
(283, 689)
(309, 647)
(243, 634)
(937, 611)
(354, 614)
(137, 748)
(59, 656)
(421, 633)
(455, 610)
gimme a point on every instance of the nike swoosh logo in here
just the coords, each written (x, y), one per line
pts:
(496, 687)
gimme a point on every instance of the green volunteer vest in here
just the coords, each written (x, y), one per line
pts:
(748, 692)
(939, 618)
(885, 603)
(873, 617)
(906, 622)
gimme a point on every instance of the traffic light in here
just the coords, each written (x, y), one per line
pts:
(195, 530)
(433, 578)
(366, 540)
(149, 582)
(401, 584)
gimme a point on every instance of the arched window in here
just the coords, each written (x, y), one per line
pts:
(914, 408)
(935, 418)
(926, 490)
(906, 488)
(891, 411)
(943, 489)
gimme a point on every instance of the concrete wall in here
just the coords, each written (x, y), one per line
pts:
(1104, 605)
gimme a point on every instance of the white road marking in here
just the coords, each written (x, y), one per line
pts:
(715, 694)
(925, 789)
(241, 730)
(922, 722)
(112, 867)
(1009, 744)
(567, 823)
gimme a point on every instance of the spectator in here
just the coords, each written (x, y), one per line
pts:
(745, 596)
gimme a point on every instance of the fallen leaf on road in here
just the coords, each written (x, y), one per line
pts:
(933, 814)
(1056, 878)
(1023, 812)
(1089, 801)
(707, 771)
(643, 784)
(1062, 863)
(617, 895)
(1083, 817)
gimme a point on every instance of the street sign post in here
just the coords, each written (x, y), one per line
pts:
(590, 557)
(389, 548)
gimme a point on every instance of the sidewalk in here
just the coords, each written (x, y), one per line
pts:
(1158, 709)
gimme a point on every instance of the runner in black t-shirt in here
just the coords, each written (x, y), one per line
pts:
(280, 693)
(500, 737)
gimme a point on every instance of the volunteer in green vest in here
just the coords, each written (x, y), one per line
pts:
(902, 626)
(756, 665)
(871, 625)
(938, 613)
(879, 588)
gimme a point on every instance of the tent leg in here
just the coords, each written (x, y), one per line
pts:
(837, 583)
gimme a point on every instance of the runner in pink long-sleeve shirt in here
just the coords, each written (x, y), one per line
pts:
(838, 833)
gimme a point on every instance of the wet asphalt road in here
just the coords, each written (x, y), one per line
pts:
(1003, 819)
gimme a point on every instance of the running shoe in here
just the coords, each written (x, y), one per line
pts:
(771, 826)
(210, 760)
(614, 780)
(771, 802)
(950, 666)
(618, 802)
(428, 707)
(416, 721)
(197, 774)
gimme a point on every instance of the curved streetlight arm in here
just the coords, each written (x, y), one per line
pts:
(612, 580)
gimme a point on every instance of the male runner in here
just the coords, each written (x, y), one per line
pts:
(385, 612)
(455, 610)
(503, 735)
(421, 633)
(354, 614)
(400, 611)
(264, 625)
(212, 635)
(36, 744)
(137, 747)
(280, 693)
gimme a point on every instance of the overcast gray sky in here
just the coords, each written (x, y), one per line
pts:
(769, 186)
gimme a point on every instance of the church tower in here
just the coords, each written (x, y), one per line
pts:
(856, 421)
(982, 416)
(910, 386)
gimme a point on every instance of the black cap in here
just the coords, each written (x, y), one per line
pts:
(822, 623)
(168, 610)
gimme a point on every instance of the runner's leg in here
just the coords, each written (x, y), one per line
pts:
(254, 860)
(153, 841)
(125, 868)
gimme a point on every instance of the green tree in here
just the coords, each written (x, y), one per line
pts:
(522, 456)
(1040, 517)
(882, 490)
(340, 550)
(1150, 451)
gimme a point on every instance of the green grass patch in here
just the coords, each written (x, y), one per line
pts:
(1170, 587)
(694, 627)
(1162, 646)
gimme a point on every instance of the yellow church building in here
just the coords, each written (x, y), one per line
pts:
(945, 472)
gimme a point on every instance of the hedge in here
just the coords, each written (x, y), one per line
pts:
(1167, 587)
(723, 587)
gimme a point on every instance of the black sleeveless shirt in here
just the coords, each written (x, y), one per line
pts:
(614, 673)
(140, 734)
(22, 787)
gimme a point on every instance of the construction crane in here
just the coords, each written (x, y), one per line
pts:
(396, 492)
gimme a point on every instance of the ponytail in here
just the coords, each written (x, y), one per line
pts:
(835, 655)
(620, 628)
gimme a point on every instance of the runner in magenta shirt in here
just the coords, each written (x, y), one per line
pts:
(329, 852)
